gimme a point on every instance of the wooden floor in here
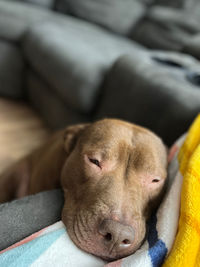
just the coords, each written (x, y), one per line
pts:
(21, 131)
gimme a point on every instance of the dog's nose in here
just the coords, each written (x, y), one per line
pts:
(116, 235)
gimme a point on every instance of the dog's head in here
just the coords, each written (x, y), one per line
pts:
(112, 178)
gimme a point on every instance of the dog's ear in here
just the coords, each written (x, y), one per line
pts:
(71, 135)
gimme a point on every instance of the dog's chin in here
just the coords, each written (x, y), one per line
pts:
(115, 257)
(110, 259)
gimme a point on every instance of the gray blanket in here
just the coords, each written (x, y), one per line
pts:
(20, 218)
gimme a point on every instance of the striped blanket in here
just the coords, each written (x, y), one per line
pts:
(174, 231)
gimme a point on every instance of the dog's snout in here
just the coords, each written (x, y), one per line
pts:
(116, 235)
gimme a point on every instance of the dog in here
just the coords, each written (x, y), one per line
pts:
(112, 174)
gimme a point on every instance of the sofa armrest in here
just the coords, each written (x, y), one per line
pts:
(154, 91)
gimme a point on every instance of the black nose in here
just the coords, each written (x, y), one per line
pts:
(116, 235)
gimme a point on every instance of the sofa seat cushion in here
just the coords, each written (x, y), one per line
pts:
(11, 70)
(72, 56)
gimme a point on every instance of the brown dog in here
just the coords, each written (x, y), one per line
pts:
(112, 173)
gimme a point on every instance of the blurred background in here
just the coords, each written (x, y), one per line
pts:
(69, 61)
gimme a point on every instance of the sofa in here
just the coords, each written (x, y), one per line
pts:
(77, 61)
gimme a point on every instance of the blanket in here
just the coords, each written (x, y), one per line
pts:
(186, 248)
(172, 240)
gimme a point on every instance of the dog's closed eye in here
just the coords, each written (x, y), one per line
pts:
(95, 161)
(155, 180)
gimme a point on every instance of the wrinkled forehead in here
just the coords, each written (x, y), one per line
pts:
(112, 133)
(108, 132)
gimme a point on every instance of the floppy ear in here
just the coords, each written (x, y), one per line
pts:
(71, 135)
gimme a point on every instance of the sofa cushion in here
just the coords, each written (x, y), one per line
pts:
(11, 70)
(73, 56)
(167, 27)
(160, 91)
(16, 17)
(193, 46)
(49, 105)
(116, 15)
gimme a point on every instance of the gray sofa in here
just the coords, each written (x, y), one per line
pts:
(71, 65)
(80, 60)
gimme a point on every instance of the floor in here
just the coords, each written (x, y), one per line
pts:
(21, 131)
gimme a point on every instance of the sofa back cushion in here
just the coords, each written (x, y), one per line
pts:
(116, 15)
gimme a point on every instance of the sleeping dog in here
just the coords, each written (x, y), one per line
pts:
(112, 173)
